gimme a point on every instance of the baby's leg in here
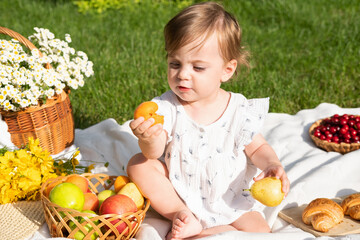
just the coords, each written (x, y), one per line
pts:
(213, 230)
(251, 222)
(152, 177)
(248, 222)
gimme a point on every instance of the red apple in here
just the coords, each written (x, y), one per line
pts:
(91, 201)
(118, 204)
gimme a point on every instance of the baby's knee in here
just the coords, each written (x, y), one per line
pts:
(252, 222)
(135, 164)
(264, 228)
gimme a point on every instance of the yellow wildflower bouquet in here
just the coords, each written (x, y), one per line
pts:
(22, 171)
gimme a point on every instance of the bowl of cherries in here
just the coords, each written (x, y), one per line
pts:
(338, 133)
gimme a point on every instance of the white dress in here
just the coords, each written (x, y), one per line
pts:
(207, 165)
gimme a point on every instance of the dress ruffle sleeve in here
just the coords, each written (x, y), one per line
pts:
(255, 111)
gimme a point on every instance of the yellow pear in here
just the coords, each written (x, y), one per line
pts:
(267, 191)
(132, 191)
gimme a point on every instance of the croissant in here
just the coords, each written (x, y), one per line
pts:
(323, 214)
(351, 206)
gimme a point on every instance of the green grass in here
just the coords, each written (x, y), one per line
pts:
(303, 52)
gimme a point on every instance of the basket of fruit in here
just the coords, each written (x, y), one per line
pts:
(338, 133)
(93, 206)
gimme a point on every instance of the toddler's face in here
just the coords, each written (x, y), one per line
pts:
(196, 72)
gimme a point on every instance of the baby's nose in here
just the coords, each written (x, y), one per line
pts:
(184, 74)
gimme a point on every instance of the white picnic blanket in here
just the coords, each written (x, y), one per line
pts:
(313, 172)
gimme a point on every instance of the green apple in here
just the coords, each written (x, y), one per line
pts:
(92, 212)
(67, 195)
(104, 195)
(79, 235)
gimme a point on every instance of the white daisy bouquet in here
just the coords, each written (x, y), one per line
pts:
(24, 81)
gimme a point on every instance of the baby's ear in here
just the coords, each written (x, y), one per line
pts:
(229, 70)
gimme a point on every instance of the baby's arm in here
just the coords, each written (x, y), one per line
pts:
(151, 139)
(264, 157)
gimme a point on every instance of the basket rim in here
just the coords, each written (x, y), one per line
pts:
(49, 103)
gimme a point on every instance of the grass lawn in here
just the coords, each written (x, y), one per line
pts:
(303, 52)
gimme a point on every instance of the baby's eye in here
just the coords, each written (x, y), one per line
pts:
(174, 65)
(199, 69)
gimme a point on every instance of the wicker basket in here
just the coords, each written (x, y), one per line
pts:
(52, 123)
(330, 146)
(58, 218)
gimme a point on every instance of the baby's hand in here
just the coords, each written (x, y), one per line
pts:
(278, 172)
(143, 129)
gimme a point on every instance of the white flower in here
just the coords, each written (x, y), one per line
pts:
(24, 79)
(3, 58)
(24, 103)
(3, 73)
(2, 97)
(35, 53)
(4, 80)
(50, 93)
(7, 105)
(68, 38)
(58, 90)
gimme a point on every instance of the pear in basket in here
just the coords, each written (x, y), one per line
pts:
(267, 191)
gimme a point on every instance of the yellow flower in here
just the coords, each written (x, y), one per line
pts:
(90, 167)
(22, 171)
(9, 155)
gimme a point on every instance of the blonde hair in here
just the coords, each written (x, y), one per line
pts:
(202, 20)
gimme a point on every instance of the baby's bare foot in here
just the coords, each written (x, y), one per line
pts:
(184, 225)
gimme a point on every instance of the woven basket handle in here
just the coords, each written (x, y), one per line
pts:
(26, 42)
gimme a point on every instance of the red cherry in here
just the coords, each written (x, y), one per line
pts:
(352, 132)
(357, 119)
(351, 123)
(329, 135)
(333, 129)
(343, 131)
(323, 129)
(343, 121)
(322, 137)
(335, 120)
(317, 133)
(347, 136)
(357, 125)
(335, 139)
